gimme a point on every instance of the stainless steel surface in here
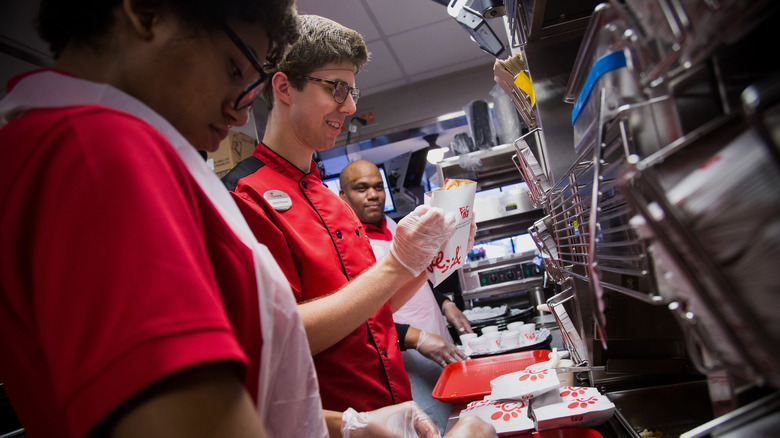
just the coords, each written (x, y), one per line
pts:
(496, 167)
(564, 307)
(528, 166)
(473, 276)
(756, 419)
(544, 19)
(671, 409)
(550, 74)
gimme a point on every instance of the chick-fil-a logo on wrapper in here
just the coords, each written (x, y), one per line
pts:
(439, 264)
(505, 416)
(507, 411)
(533, 375)
(459, 202)
(582, 403)
(573, 391)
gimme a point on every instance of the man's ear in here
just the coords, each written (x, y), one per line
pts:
(281, 87)
(342, 195)
(141, 15)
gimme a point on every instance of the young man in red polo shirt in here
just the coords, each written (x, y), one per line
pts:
(317, 239)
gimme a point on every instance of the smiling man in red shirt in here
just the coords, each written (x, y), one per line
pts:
(317, 239)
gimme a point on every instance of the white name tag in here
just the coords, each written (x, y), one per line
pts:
(279, 200)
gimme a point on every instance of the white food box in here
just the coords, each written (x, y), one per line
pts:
(564, 394)
(507, 417)
(582, 407)
(523, 385)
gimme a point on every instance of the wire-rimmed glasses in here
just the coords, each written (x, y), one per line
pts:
(253, 90)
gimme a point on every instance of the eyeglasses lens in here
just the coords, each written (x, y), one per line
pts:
(341, 91)
(249, 95)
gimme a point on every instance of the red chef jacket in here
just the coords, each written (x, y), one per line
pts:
(320, 244)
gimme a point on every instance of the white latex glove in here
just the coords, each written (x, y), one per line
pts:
(420, 235)
(439, 349)
(456, 318)
(404, 420)
(472, 235)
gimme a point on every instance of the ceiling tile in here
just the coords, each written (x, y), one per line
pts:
(396, 16)
(442, 45)
(381, 69)
(350, 13)
(463, 65)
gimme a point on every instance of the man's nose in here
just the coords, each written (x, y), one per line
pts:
(349, 106)
(238, 117)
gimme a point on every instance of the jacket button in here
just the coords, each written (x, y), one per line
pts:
(357, 231)
(338, 234)
(384, 353)
(305, 184)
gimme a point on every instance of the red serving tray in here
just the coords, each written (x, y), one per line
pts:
(469, 379)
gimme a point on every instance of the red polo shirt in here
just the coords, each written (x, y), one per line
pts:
(319, 242)
(113, 266)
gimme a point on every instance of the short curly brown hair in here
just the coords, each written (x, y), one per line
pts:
(322, 41)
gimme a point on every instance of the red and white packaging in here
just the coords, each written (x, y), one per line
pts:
(508, 418)
(523, 385)
(563, 394)
(460, 201)
(578, 407)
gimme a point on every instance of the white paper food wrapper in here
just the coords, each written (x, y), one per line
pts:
(582, 407)
(460, 201)
(524, 385)
(564, 394)
(505, 417)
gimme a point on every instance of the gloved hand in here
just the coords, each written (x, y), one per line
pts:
(471, 426)
(439, 349)
(472, 235)
(420, 235)
(456, 318)
(404, 420)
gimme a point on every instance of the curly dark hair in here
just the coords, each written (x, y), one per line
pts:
(86, 21)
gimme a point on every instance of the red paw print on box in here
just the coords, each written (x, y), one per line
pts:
(507, 417)
(507, 411)
(533, 375)
(582, 403)
(573, 391)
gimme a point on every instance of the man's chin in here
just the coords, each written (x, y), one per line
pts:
(373, 217)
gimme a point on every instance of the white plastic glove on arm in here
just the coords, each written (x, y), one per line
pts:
(439, 349)
(404, 420)
(420, 235)
(472, 235)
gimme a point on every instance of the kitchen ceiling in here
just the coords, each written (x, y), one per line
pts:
(409, 40)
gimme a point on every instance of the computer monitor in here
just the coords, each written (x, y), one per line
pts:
(334, 185)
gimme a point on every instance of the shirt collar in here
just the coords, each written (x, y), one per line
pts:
(284, 167)
(378, 231)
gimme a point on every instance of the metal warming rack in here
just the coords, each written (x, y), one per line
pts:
(616, 225)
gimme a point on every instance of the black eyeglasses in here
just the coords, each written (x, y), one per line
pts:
(341, 89)
(253, 90)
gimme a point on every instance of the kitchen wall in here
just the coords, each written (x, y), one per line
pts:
(421, 103)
